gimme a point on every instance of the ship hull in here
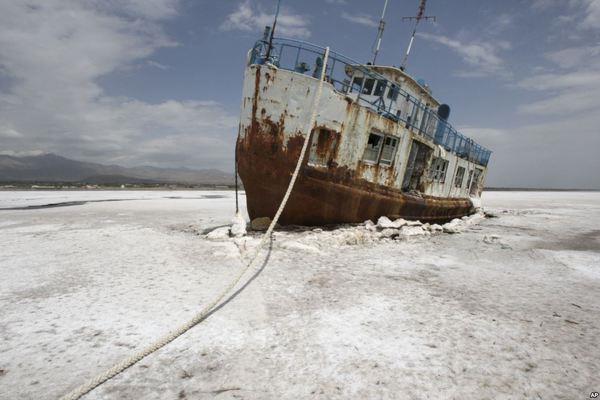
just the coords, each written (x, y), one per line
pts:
(325, 196)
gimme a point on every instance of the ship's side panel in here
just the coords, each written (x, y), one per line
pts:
(471, 184)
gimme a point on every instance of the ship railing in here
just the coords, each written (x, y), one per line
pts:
(374, 91)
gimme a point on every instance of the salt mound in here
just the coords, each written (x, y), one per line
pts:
(390, 233)
(386, 223)
(219, 233)
(370, 225)
(413, 223)
(413, 231)
(435, 228)
(238, 227)
(354, 236)
(458, 225)
(454, 226)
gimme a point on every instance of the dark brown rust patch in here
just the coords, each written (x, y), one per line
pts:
(270, 76)
(255, 97)
(327, 145)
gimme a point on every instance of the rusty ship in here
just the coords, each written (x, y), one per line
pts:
(381, 144)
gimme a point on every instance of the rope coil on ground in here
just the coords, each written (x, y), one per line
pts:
(199, 317)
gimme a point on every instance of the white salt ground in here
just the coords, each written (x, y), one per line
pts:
(507, 307)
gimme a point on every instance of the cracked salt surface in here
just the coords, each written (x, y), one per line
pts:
(508, 307)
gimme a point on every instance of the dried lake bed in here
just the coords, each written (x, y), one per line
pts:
(508, 308)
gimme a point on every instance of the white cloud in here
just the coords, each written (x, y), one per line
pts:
(570, 80)
(544, 4)
(574, 56)
(585, 13)
(8, 132)
(571, 90)
(500, 23)
(158, 65)
(482, 56)
(29, 153)
(53, 53)
(361, 19)
(592, 17)
(247, 17)
(148, 9)
(564, 103)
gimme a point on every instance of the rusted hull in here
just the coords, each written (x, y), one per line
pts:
(323, 196)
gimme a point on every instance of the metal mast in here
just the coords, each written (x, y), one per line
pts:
(273, 31)
(420, 16)
(379, 33)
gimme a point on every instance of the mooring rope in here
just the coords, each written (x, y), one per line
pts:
(235, 168)
(199, 317)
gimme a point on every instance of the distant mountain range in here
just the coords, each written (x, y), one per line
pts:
(50, 167)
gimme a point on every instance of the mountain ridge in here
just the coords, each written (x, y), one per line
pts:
(51, 168)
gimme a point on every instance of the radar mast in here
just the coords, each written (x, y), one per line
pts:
(377, 43)
(418, 18)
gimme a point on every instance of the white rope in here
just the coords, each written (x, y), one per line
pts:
(128, 362)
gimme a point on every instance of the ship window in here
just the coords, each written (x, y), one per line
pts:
(424, 120)
(389, 150)
(373, 147)
(368, 88)
(357, 83)
(379, 88)
(431, 127)
(469, 179)
(416, 115)
(460, 175)
(476, 181)
(393, 92)
(403, 109)
(437, 172)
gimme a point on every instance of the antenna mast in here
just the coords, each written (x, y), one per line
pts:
(273, 31)
(379, 33)
(420, 16)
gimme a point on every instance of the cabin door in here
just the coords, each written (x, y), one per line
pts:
(417, 161)
(475, 182)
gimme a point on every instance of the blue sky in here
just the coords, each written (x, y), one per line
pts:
(158, 82)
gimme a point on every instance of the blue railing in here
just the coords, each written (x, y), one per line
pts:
(374, 91)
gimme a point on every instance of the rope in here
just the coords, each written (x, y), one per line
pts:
(199, 317)
(237, 205)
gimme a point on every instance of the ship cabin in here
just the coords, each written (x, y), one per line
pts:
(408, 142)
(405, 99)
